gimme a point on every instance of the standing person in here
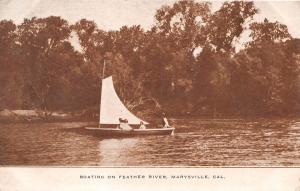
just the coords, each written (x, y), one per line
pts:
(165, 121)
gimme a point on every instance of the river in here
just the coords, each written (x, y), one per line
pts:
(196, 142)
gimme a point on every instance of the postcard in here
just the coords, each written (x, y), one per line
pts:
(144, 95)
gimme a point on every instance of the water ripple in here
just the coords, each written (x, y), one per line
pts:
(196, 143)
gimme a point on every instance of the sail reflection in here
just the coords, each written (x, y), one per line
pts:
(115, 151)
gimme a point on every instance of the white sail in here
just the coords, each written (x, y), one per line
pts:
(112, 108)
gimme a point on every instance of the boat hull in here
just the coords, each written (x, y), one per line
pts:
(113, 132)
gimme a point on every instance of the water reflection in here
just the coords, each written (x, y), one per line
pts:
(116, 151)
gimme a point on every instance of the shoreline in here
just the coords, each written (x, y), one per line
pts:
(202, 119)
(34, 116)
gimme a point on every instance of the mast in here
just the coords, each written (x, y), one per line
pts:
(103, 69)
(102, 77)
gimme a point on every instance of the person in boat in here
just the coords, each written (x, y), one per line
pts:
(165, 121)
(120, 122)
(124, 124)
(142, 125)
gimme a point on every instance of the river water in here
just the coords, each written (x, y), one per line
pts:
(196, 143)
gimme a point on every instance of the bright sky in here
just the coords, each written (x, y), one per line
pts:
(112, 14)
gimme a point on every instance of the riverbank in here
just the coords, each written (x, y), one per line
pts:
(36, 116)
(29, 116)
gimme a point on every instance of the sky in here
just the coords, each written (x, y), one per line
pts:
(112, 14)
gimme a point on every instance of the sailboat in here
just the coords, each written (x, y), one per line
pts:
(112, 111)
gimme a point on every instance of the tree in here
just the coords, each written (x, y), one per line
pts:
(264, 74)
(92, 40)
(268, 32)
(44, 45)
(186, 62)
(227, 24)
(130, 42)
(183, 25)
(10, 73)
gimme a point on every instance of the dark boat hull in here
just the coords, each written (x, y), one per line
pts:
(113, 132)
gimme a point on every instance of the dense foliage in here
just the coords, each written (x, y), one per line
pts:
(187, 63)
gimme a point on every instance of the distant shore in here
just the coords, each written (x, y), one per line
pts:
(28, 116)
(36, 116)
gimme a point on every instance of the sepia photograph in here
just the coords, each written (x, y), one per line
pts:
(139, 83)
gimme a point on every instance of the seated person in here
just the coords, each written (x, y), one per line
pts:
(120, 122)
(124, 124)
(142, 125)
(123, 120)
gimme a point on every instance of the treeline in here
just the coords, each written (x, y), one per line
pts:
(187, 63)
